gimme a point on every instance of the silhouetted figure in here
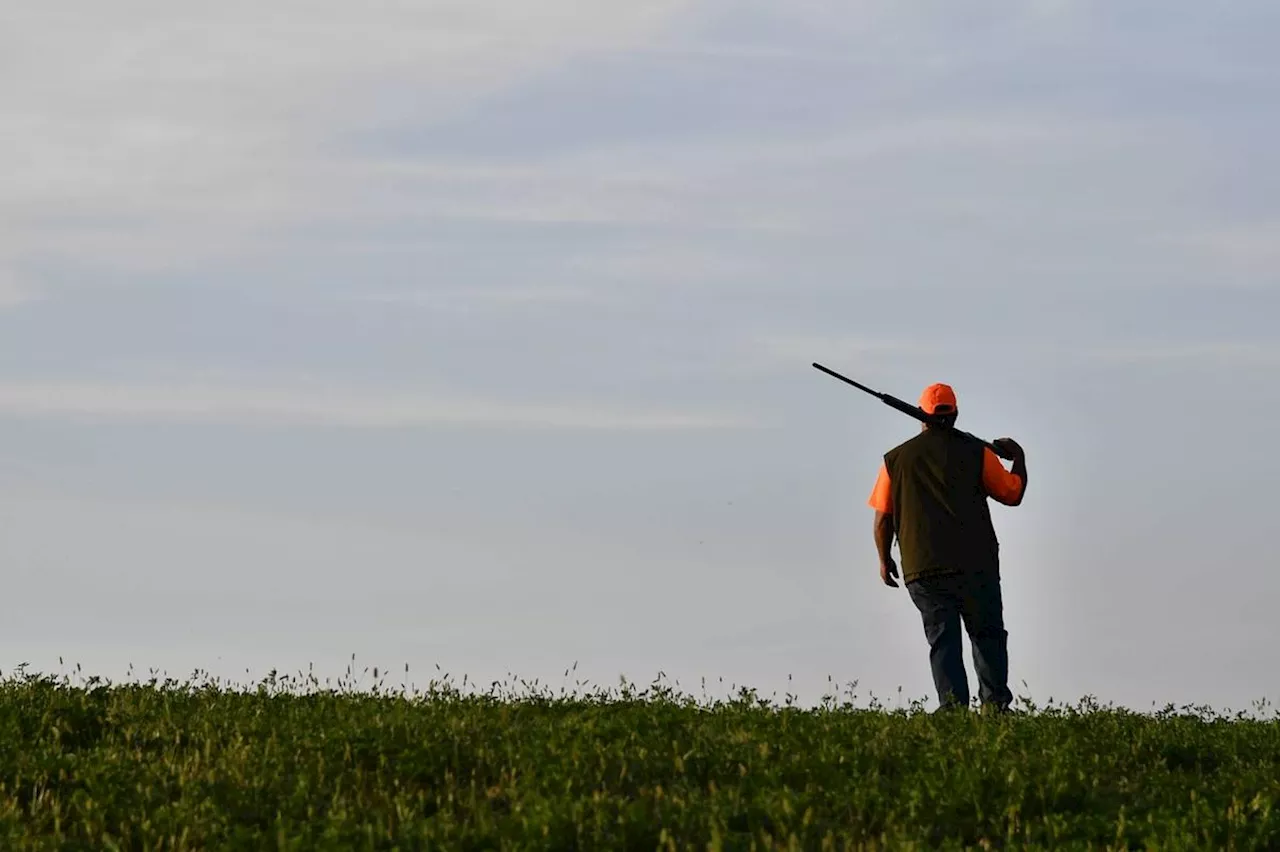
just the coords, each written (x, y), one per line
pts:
(932, 494)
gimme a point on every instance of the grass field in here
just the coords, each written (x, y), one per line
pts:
(291, 764)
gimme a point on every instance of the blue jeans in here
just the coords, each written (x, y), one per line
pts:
(974, 599)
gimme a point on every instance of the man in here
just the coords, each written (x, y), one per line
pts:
(932, 494)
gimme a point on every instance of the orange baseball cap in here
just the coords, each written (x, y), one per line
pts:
(939, 399)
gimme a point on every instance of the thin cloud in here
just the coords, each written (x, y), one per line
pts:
(1251, 249)
(213, 126)
(219, 129)
(13, 290)
(1214, 353)
(837, 350)
(674, 265)
(575, 189)
(834, 349)
(472, 299)
(311, 405)
(994, 132)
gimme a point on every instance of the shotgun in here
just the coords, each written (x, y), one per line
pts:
(911, 410)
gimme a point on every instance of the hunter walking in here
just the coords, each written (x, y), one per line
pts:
(932, 493)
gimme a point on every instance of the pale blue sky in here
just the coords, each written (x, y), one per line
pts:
(442, 333)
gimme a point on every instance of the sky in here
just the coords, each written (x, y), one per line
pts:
(474, 338)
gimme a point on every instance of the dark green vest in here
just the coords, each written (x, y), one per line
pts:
(940, 510)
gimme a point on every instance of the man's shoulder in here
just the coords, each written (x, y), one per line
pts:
(906, 445)
(931, 440)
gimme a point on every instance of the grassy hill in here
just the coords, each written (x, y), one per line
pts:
(288, 764)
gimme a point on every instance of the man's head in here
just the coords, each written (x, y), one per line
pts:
(940, 399)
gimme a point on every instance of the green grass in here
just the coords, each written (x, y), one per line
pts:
(289, 764)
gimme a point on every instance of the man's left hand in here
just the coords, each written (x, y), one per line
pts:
(1010, 446)
(888, 572)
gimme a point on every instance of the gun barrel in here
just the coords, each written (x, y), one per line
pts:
(909, 409)
(848, 380)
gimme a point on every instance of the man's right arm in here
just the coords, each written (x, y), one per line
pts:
(883, 530)
(1005, 486)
